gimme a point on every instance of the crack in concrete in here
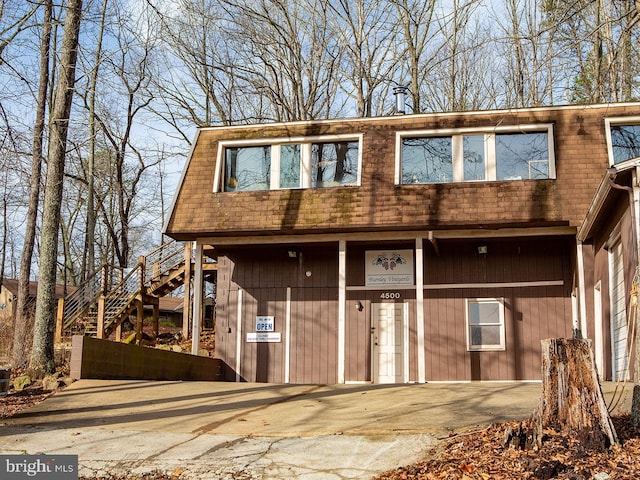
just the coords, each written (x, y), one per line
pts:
(168, 449)
(222, 445)
(275, 468)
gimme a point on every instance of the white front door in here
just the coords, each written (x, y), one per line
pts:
(389, 328)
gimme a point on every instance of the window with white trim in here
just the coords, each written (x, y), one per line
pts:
(485, 324)
(318, 162)
(247, 168)
(466, 155)
(623, 139)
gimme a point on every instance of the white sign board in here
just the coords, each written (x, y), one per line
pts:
(265, 324)
(388, 267)
(263, 337)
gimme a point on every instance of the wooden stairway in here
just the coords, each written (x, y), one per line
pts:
(100, 306)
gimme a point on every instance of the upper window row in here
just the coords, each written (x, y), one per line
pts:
(311, 164)
(461, 156)
(623, 138)
(432, 156)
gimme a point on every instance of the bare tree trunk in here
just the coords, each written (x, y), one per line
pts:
(22, 325)
(91, 213)
(41, 360)
(3, 254)
(415, 21)
(571, 402)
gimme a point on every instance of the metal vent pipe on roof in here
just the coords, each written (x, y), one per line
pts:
(400, 92)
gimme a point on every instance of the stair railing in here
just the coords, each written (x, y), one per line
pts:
(167, 256)
(109, 296)
(79, 302)
(119, 300)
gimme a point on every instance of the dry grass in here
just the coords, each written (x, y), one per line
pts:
(6, 338)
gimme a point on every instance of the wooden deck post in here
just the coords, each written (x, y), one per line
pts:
(59, 321)
(156, 319)
(139, 319)
(186, 304)
(100, 326)
(155, 271)
(197, 302)
(139, 301)
(141, 274)
(104, 285)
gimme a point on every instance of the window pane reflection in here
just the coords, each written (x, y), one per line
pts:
(485, 325)
(247, 168)
(427, 160)
(290, 166)
(334, 164)
(473, 153)
(484, 312)
(625, 142)
(485, 335)
(522, 156)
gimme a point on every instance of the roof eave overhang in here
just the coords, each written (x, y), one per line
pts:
(387, 118)
(398, 235)
(590, 222)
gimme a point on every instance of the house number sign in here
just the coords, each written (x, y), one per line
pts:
(390, 295)
(265, 324)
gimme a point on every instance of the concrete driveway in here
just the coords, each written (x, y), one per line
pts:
(210, 430)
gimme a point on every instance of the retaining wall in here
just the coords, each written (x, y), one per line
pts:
(107, 360)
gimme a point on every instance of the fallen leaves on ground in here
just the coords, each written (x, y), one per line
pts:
(481, 456)
(15, 402)
(173, 336)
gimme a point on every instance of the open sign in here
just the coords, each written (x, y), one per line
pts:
(265, 324)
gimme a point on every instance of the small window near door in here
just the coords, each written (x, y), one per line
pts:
(485, 324)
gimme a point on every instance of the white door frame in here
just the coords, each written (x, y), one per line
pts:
(405, 340)
(615, 258)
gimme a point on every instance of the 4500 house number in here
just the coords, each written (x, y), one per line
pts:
(390, 295)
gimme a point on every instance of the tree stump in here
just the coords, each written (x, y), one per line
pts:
(571, 402)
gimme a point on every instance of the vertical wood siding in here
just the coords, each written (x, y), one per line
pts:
(314, 336)
(264, 274)
(601, 272)
(619, 214)
(358, 338)
(531, 313)
(589, 285)
(263, 362)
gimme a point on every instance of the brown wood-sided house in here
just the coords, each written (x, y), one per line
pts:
(9, 294)
(416, 248)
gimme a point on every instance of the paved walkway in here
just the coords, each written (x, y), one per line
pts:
(260, 431)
